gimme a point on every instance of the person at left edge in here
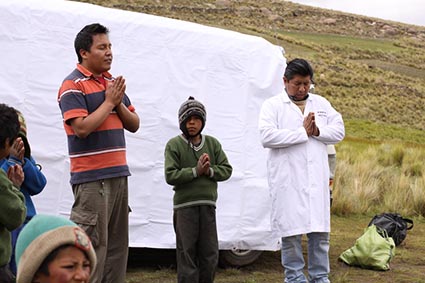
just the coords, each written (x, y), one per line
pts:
(96, 110)
(12, 201)
(34, 179)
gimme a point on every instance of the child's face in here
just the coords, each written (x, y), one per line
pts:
(70, 265)
(194, 125)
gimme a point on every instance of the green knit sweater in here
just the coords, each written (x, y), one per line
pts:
(12, 215)
(181, 159)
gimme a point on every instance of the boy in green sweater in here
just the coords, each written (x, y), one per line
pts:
(12, 201)
(194, 163)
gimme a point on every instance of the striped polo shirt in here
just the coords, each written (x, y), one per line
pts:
(102, 154)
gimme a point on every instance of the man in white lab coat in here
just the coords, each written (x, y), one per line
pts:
(296, 126)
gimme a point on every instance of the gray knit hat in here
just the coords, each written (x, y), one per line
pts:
(42, 235)
(191, 107)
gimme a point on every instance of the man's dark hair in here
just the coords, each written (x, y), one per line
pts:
(84, 39)
(298, 67)
(9, 124)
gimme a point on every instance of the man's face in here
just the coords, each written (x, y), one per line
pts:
(99, 58)
(298, 86)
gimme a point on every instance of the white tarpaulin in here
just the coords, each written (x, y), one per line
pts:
(164, 61)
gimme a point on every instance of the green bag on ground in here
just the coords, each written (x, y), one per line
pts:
(373, 250)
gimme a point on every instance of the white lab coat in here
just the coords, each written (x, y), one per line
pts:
(298, 171)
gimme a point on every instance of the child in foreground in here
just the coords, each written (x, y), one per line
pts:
(53, 249)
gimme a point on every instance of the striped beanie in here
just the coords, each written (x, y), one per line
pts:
(42, 235)
(189, 108)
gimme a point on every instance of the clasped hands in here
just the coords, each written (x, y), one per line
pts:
(203, 166)
(115, 91)
(310, 125)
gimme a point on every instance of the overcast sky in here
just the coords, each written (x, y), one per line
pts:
(406, 11)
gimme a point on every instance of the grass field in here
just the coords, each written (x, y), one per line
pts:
(343, 41)
(408, 265)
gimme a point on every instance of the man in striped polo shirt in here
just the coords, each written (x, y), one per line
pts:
(95, 112)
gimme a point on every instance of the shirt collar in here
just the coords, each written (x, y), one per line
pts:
(87, 73)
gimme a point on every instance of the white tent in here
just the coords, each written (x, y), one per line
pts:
(164, 61)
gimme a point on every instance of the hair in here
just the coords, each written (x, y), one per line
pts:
(44, 267)
(9, 125)
(298, 67)
(84, 39)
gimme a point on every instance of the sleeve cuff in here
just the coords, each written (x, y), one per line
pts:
(14, 160)
(211, 172)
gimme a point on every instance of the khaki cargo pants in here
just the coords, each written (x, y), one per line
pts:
(101, 209)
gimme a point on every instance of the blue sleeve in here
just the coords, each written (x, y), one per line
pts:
(4, 165)
(34, 181)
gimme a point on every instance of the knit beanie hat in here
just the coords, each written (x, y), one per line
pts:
(23, 134)
(42, 235)
(191, 107)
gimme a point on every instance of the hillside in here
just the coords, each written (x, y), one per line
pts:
(372, 70)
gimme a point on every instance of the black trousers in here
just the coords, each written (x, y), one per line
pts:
(196, 244)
